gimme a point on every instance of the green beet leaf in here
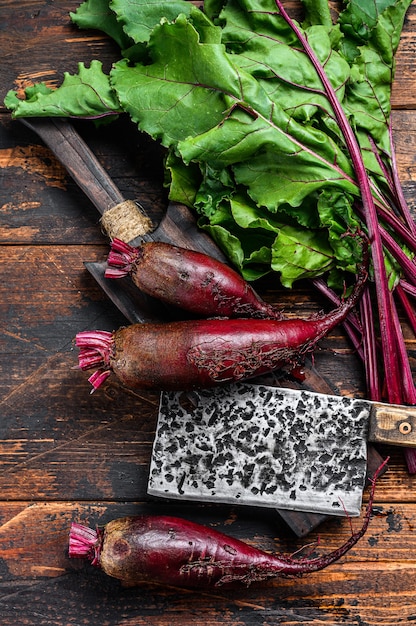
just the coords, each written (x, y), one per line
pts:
(97, 15)
(87, 94)
(139, 17)
(182, 180)
(298, 253)
(164, 97)
(271, 55)
(318, 12)
(361, 17)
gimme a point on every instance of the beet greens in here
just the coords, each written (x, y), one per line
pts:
(278, 133)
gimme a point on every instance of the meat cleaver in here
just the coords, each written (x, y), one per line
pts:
(177, 226)
(267, 446)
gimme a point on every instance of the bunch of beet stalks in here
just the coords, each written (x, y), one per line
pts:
(237, 335)
(176, 552)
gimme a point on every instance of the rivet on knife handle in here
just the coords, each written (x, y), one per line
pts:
(393, 425)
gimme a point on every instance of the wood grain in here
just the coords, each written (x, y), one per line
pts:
(68, 455)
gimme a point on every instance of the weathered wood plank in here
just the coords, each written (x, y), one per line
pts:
(404, 133)
(40, 43)
(404, 86)
(37, 576)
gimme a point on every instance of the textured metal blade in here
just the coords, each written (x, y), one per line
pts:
(264, 446)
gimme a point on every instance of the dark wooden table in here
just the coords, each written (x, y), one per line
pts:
(67, 455)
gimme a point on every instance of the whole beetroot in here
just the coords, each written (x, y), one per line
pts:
(190, 280)
(173, 551)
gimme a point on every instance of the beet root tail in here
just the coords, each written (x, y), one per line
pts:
(304, 566)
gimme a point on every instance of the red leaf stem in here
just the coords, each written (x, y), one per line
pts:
(387, 329)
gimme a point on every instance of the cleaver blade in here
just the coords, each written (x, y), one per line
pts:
(256, 445)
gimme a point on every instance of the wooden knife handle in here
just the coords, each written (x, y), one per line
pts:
(393, 425)
(70, 149)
